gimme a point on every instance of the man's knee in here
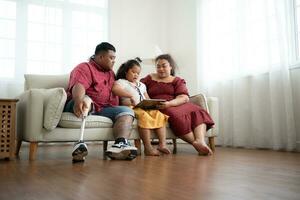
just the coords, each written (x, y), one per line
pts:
(123, 123)
(127, 119)
(125, 111)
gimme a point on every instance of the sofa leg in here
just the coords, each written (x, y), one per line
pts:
(174, 146)
(32, 150)
(105, 143)
(211, 141)
(138, 145)
(18, 147)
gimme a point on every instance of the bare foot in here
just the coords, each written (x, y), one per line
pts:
(151, 152)
(164, 150)
(202, 148)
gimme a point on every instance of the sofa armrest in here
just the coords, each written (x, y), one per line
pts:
(200, 99)
(211, 105)
(30, 112)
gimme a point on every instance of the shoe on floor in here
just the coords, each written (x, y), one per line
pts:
(122, 151)
(80, 151)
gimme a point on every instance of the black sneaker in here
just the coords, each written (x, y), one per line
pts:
(122, 151)
(80, 151)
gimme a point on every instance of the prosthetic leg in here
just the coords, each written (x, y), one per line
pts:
(80, 150)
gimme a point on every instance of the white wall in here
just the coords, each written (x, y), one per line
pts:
(136, 26)
(182, 39)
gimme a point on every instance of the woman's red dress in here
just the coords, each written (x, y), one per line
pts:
(184, 118)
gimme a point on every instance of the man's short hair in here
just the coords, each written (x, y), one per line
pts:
(104, 46)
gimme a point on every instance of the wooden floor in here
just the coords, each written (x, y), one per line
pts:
(229, 174)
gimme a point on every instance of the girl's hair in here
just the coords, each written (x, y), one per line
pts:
(169, 58)
(123, 69)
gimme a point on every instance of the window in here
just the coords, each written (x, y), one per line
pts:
(7, 38)
(49, 37)
(44, 39)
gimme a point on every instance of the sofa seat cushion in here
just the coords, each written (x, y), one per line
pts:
(69, 120)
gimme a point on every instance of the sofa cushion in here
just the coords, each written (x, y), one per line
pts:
(45, 81)
(55, 100)
(69, 120)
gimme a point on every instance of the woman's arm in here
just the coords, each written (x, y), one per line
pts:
(146, 95)
(182, 94)
(179, 100)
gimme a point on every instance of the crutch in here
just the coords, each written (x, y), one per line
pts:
(80, 150)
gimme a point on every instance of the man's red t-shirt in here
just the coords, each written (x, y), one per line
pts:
(97, 83)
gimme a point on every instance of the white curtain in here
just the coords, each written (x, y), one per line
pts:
(245, 49)
(47, 37)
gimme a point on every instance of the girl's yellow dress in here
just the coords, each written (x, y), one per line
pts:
(150, 119)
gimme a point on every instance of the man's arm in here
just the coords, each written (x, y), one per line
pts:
(121, 92)
(78, 92)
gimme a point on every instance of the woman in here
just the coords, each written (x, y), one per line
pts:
(187, 120)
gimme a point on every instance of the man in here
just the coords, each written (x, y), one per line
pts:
(94, 79)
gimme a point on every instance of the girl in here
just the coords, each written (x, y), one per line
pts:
(132, 92)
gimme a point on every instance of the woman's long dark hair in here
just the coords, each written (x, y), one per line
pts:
(123, 69)
(169, 58)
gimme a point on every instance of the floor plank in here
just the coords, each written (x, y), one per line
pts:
(229, 174)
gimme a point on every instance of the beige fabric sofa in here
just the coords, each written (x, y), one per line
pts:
(37, 116)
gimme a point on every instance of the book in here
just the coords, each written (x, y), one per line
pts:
(150, 103)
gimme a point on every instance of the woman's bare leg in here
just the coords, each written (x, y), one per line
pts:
(189, 138)
(162, 146)
(145, 136)
(199, 143)
(197, 139)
